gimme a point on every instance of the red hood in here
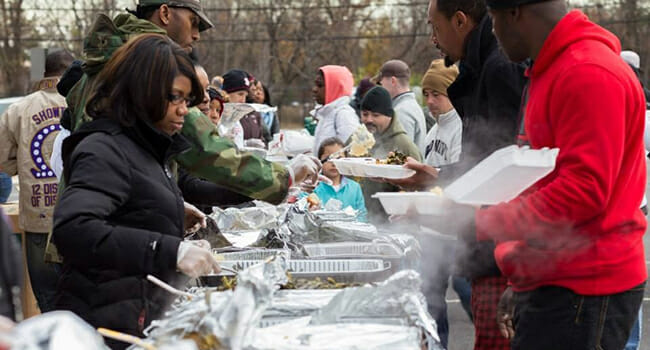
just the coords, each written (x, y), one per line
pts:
(575, 26)
(338, 82)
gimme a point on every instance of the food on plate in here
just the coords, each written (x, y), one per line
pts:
(361, 142)
(394, 158)
(437, 190)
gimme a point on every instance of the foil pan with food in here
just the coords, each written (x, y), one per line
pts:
(222, 320)
(399, 296)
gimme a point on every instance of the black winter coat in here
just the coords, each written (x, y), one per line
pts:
(486, 95)
(119, 218)
(11, 273)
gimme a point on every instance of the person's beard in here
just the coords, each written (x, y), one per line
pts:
(372, 128)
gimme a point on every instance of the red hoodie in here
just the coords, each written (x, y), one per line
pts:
(338, 82)
(580, 227)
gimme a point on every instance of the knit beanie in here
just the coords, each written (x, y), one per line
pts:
(236, 80)
(438, 77)
(378, 100)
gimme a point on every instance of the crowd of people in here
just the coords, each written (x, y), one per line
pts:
(122, 155)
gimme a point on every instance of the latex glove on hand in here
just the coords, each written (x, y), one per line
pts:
(309, 187)
(255, 143)
(195, 259)
(304, 168)
(194, 219)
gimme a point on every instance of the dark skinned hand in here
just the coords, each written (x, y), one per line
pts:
(425, 176)
(505, 314)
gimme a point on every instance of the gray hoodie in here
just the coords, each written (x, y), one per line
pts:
(411, 117)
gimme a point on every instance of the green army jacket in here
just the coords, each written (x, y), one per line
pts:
(212, 157)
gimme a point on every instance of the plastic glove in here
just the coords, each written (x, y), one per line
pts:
(256, 143)
(303, 168)
(194, 218)
(195, 259)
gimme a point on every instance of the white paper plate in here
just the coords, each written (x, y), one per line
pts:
(367, 167)
(424, 203)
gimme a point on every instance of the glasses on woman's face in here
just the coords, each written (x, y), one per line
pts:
(177, 99)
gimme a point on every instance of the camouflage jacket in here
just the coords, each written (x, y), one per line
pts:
(212, 157)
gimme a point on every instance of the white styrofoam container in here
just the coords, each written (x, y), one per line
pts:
(503, 175)
(367, 167)
(423, 203)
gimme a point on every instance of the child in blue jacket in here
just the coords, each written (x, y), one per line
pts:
(343, 189)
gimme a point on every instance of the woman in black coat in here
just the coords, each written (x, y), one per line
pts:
(121, 215)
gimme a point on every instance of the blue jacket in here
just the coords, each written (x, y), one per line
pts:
(349, 194)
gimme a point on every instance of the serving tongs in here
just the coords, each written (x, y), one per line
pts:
(169, 288)
(127, 338)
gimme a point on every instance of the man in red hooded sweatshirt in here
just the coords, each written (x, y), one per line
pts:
(336, 118)
(572, 245)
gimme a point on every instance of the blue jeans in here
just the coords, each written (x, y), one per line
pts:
(463, 288)
(43, 276)
(634, 341)
(559, 319)
(5, 187)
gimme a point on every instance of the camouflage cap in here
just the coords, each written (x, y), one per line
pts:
(194, 5)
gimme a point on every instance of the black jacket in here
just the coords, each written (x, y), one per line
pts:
(11, 277)
(486, 95)
(119, 218)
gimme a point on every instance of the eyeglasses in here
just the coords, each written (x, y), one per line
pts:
(176, 99)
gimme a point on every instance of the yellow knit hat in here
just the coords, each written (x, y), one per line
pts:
(438, 77)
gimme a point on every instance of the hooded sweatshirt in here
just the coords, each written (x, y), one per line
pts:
(336, 118)
(580, 227)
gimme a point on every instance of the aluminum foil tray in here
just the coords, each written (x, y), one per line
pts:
(343, 270)
(353, 250)
(396, 321)
(253, 254)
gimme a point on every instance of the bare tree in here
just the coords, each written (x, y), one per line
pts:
(13, 25)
